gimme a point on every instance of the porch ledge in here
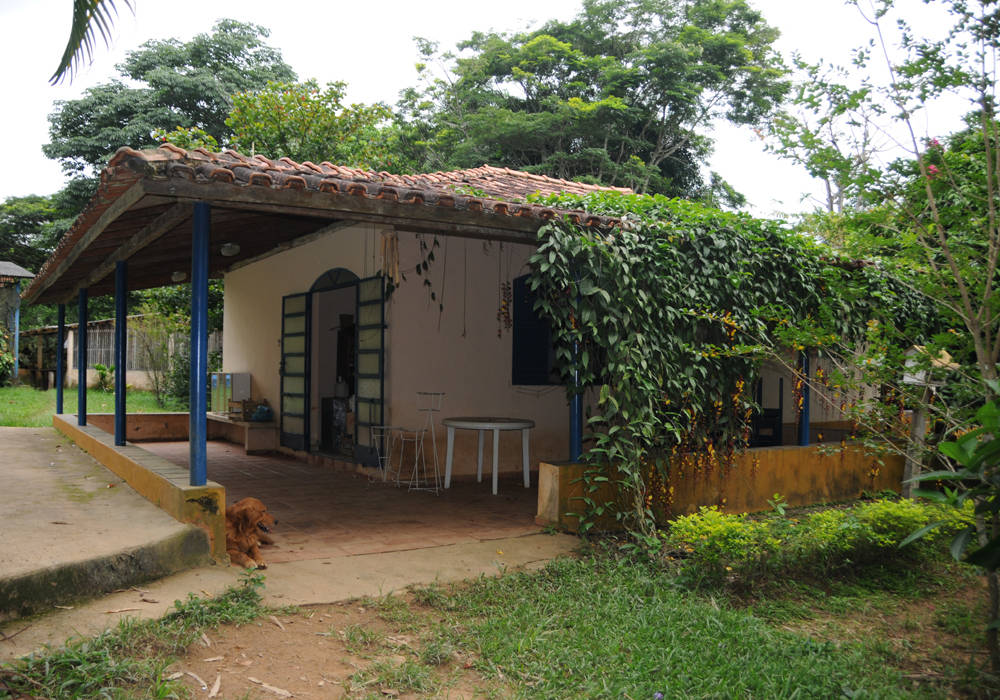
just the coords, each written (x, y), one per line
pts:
(158, 480)
(802, 475)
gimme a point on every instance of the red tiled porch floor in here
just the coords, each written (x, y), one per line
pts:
(325, 512)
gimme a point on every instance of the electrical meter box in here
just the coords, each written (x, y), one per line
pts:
(226, 387)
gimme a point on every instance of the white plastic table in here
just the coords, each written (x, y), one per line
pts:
(482, 424)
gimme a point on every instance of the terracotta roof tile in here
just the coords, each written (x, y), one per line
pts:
(487, 190)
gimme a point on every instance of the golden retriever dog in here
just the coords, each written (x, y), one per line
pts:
(248, 525)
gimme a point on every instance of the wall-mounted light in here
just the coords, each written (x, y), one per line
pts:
(230, 249)
(178, 276)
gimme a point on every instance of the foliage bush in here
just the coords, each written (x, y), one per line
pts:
(179, 375)
(105, 377)
(715, 548)
(178, 378)
(6, 356)
(669, 316)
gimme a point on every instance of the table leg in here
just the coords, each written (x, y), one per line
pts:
(496, 458)
(479, 465)
(448, 457)
(524, 457)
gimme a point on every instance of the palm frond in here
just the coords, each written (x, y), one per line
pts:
(90, 18)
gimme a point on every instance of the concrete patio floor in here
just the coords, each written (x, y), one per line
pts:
(326, 512)
(340, 536)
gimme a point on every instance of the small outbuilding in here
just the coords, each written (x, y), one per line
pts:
(11, 276)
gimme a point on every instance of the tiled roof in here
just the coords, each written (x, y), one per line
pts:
(487, 194)
(230, 166)
(9, 269)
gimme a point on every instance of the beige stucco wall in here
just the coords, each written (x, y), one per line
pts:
(456, 351)
(251, 335)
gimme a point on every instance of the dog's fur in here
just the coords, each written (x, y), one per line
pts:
(247, 526)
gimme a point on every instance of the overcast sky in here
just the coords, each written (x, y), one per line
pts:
(369, 45)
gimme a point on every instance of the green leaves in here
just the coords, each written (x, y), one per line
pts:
(622, 95)
(303, 122)
(164, 85)
(90, 18)
(669, 317)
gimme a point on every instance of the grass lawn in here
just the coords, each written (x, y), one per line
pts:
(599, 626)
(607, 627)
(23, 406)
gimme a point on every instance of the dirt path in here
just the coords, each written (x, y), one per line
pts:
(377, 647)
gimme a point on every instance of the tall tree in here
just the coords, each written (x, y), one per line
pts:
(304, 122)
(30, 227)
(623, 94)
(934, 218)
(162, 85)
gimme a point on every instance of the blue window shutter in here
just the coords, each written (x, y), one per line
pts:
(532, 351)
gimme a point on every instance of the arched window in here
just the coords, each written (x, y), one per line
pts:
(333, 279)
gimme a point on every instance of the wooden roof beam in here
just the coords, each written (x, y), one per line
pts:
(168, 220)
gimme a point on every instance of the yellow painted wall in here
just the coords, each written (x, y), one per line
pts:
(801, 475)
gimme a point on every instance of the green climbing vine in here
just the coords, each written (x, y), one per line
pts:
(667, 318)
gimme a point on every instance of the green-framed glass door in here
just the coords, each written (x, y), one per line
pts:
(369, 392)
(296, 321)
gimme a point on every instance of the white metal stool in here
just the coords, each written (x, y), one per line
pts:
(420, 479)
(383, 436)
(429, 403)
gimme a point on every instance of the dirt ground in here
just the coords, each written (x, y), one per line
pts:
(390, 647)
(380, 648)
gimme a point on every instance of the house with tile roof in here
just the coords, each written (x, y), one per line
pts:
(12, 276)
(350, 297)
(309, 254)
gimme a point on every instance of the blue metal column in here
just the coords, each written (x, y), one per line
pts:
(81, 358)
(576, 404)
(804, 413)
(17, 332)
(60, 366)
(576, 420)
(198, 430)
(121, 340)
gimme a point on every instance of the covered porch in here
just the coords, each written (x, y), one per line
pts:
(328, 510)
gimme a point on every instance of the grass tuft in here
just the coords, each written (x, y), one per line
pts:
(128, 661)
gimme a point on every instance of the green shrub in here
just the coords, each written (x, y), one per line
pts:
(715, 547)
(6, 356)
(719, 543)
(179, 375)
(105, 377)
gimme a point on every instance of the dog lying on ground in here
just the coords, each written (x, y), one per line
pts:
(248, 525)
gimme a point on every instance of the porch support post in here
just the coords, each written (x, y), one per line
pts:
(576, 423)
(198, 429)
(81, 358)
(121, 356)
(804, 413)
(17, 331)
(576, 403)
(60, 367)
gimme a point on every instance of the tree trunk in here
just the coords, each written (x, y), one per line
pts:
(915, 446)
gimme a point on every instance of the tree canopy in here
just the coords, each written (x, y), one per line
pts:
(304, 122)
(621, 95)
(163, 85)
